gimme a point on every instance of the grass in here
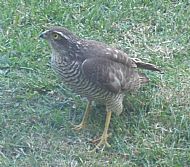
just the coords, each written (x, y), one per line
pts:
(36, 110)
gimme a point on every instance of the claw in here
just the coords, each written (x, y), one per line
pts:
(79, 126)
(103, 143)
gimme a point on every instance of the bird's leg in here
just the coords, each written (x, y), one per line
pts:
(105, 135)
(85, 117)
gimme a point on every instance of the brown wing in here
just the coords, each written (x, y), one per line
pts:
(97, 49)
(112, 76)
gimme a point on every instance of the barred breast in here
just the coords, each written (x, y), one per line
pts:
(72, 76)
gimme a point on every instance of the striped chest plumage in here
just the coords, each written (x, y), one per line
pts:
(72, 76)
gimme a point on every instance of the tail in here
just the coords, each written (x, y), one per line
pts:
(143, 78)
(139, 80)
(147, 66)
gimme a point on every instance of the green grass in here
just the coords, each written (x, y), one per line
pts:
(36, 110)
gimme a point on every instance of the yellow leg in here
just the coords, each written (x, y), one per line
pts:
(105, 135)
(85, 117)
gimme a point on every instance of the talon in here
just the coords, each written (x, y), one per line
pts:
(103, 142)
(79, 127)
(100, 138)
(101, 146)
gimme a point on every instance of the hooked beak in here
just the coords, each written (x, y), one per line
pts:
(43, 35)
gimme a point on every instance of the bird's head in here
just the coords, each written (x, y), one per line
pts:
(59, 38)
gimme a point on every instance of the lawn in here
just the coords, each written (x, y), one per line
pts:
(37, 111)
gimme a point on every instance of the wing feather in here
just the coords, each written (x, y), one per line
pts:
(112, 69)
(97, 49)
(100, 50)
(111, 75)
(102, 72)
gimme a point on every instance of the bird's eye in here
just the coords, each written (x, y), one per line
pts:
(55, 36)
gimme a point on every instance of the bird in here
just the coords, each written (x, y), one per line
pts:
(96, 71)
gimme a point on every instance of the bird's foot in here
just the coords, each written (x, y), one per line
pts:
(78, 127)
(103, 143)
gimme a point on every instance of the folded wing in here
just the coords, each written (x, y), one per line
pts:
(112, 76)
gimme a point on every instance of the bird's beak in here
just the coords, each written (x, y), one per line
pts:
(43, 35)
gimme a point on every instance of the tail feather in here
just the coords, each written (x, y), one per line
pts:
(143, 78)
(147, 66)
(138, 81)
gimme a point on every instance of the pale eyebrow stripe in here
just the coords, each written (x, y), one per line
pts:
(63, 35)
